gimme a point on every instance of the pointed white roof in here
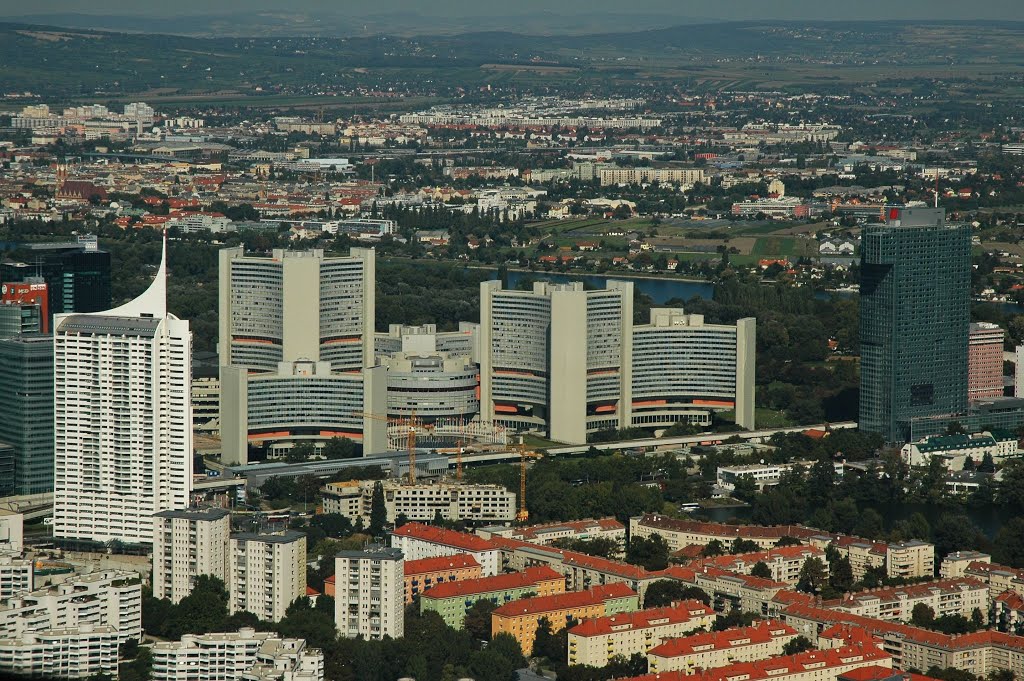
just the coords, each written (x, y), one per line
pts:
(151, 302)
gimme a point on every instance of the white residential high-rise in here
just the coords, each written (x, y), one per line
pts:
(243, 654)
(187, 544)
(122, 418)
(369, 597)
(268, 572)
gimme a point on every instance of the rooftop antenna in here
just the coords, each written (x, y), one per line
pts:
(936, 188)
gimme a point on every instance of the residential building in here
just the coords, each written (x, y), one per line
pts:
(71, 629)
(26, 391)
(426, 573)
(243, 654)
(83, 652)
(812, 665)
(956, 564)
(417, 541)
(268, 572)
(549, 533)
(667, 175)
(961, 596)
(915, 314)
(909, 559)
(16, 574)
(12, 531)
(708, 650)
(954, 450)
(985, 361)
(452, 600)
(999, 578)
(187, 544)
(785, 562)
(282, 382)
(369, 599)
(520, 618)
(763, 474)
(594, 642)
(422, 501)
(122, 418)
(913, 647)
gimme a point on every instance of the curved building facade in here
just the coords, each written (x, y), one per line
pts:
(684, 369)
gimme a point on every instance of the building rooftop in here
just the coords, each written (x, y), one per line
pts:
(373, 552)
(682, 611)
(573, 599)
(762, 632)
(505, 582)
(438, 563)
(196, 514)
(285, 537)
(439, 535)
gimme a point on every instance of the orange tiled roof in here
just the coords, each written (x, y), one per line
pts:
(438, 563)
(573, 599)
(682, 611)
(762, 632)
(484, 585)
(439, 535)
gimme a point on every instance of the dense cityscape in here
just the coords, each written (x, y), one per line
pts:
(381, 354)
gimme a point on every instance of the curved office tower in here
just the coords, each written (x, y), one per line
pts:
(296, 348)
(122, 418)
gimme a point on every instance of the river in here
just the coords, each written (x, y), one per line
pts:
(660, 290)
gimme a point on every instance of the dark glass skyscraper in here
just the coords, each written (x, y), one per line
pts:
(26, 393)
(77, 274)
(914, 320)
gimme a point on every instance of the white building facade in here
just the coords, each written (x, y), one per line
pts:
(122, 418)
(369, 598)
(187, 544)
(268, 572)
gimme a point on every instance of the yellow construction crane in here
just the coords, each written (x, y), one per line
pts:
(413, 426)
(524, 454)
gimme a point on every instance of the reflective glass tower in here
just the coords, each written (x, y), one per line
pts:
(914, 319)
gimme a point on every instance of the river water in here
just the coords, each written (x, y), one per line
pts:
(660, 290)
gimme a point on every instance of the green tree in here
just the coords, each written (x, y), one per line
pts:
(378, 511)
(761, 570)
(666, 591)
(478, 619)
(300, 452)
(871, 524)
(1009, 543)
(741, 545)
(840, 574)
(648, 552)
(340, 448)
(922, 615)
(545, 643)
(812, 576)
(797, 645)
(713, 548)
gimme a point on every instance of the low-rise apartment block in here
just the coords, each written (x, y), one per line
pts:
(187, 544)
(954, 450)
(547, 534)
(454, 599)
(999, 578)
(785, 562)
(426, 573)
(708, 650)
(268, 572)
(594, 642)
(368, 593)
(244, 654)
(960, 596)
(520, 618)
(914, 648)
(417, 541)
(955, 564)
(813, 665)
(421, 502)
(72, 629)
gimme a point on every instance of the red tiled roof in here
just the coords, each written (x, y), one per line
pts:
(1011, 599)
(762, 632)
(576, 525)
(682, 611)
(576, 559)
(778, 666)
(721, 529)
(310, 591)
(438, 563)
(573, 599)
(439, 535)
(877, 673)
(954, 585)
(483, 585)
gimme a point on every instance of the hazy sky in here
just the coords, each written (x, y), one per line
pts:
(716, 9)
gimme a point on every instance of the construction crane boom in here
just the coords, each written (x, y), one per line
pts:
(413, 427)
(524, 454)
